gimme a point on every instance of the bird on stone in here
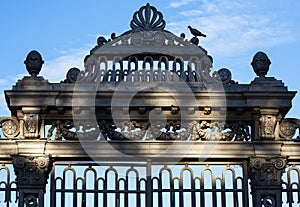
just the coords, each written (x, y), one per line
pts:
(196, 32)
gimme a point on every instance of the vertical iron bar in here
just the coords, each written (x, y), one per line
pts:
(126, 191)
(202, 196)
(105, 190)
(117, 187)
(138, 194)
(193, 192)
(149, 184)
(214, 193)
(63, 189)
(53, 187)
(181, 203)
(160, 202)
(245, 184)
(223, 193)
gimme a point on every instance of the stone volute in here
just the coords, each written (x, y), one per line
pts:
(261, 64)
(34, 63)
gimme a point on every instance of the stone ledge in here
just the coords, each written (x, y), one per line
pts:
(149, 149)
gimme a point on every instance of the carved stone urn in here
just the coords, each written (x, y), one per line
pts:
(261, 64)
(34, 63)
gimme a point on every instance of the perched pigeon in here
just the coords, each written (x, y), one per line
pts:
(196, 32)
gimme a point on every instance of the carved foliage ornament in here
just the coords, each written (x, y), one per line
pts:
(147, 19)
(10, 126)
(174, 130)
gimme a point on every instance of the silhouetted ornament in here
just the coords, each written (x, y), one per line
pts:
(147, 19)
(113, 36)
(194, 40)
(34, 63)
(224, 75)
(196, 32)
(72, 75)
(261, 64)
(101, 41)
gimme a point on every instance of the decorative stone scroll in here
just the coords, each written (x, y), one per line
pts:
(288, 127)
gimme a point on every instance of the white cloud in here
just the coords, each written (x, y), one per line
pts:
(177, 4)
(55, 70)
(192, 12)
(232, 28)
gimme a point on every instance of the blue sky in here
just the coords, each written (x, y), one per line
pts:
(64, 32)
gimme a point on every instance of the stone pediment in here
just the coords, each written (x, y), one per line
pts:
(160, 42)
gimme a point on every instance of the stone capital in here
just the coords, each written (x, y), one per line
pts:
(31, 172)
(266, 172)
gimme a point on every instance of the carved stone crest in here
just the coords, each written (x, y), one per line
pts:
(268, 123)
(31, 125)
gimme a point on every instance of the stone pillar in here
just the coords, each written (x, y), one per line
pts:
(265, 175)
(31, 175)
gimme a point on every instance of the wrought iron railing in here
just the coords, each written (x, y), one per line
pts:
(149, 184)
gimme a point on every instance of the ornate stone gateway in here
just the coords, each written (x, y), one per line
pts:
(149, 123)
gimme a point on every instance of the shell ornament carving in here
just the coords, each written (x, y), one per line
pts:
(147, 19)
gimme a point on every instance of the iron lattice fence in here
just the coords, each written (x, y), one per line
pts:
(8, 186)
(149, 184)
(291, 185)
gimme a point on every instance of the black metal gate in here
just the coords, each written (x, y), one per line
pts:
(140, 184)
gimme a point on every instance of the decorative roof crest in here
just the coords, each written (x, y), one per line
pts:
(147, 19)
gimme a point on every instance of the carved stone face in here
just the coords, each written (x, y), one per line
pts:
(34, 63)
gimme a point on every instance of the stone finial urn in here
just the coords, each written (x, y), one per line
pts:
(34, 63)
(261, 64)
